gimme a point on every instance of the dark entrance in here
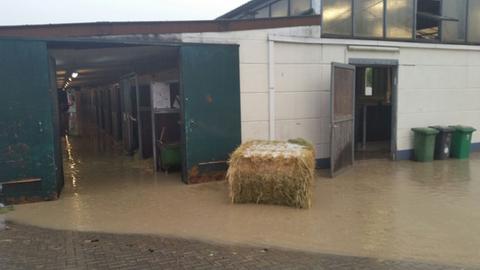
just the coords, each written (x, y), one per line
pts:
(374, 111)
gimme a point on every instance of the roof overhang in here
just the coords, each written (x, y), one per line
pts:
(139, 28)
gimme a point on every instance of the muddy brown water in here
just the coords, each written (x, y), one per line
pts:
(392, 210)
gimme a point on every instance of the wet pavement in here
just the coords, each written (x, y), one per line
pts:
(394, 211)
(24, 247)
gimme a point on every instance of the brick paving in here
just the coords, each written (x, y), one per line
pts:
(26, 247)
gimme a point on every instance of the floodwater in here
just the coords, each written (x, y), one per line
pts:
(392, 210)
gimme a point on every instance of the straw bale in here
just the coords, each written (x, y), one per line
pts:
(273, 172)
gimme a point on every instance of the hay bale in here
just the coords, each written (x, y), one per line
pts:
(280, 173)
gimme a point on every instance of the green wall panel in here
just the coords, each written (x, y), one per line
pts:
(27, 140)
(211, 110)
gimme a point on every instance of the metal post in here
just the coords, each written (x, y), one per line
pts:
(154, 130)
(364, 136)
(139, 116)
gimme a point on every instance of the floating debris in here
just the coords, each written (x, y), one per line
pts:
(3, 210)
(91, 241)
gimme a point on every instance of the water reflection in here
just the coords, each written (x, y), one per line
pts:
(383, 209)
(72, 164)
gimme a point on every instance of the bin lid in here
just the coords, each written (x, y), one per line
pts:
(425, 131)
(465, 129)
(443, 128)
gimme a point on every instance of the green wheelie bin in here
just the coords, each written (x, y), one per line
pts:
(424, 143)
(461, 142)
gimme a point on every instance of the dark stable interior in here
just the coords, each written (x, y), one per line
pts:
(113, 93)
(373, 112)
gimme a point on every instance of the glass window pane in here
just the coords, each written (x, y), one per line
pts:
(454, 31)
(368, 16)
(428, 19)
(400, 18)
(298, 7)
(316, 5)
(337, 17)
(263, 13)
(280, 9)
(474, 21)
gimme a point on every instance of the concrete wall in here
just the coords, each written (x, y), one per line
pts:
(438, 87)
(437, 84)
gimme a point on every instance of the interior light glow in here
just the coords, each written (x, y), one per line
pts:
(74, 75)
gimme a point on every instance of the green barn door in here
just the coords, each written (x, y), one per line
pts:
(211, 110)
(30, 167)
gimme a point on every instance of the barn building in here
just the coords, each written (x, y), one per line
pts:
(351, 76)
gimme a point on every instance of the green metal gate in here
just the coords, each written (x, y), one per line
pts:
(29, 165)
(210, 89)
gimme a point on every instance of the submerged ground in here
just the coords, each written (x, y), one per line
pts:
(380, 209)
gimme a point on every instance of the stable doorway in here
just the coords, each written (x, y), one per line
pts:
(374, 112)
(110, 83)
(363, 112)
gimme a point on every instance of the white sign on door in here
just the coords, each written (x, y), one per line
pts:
(160, 95)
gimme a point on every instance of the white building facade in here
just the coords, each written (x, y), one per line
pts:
(286, 83)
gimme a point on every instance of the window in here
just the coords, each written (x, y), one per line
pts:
(399, 19)
(368, 82)
(368, 16)
(474, 21)
(316, 5)
(428, 19)
(449, 21)
(299, 7)
(280, 8)
(454, 22)
(337, 17)
(263, 13)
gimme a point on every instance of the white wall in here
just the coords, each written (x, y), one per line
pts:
(438, 84)
(254, 74)
(437, 87)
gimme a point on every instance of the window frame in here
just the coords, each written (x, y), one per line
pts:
(413, 38)
(290, 8)
(468, 24)
(269, 6)
(275, 2)
(383, 21)
(262, 7)
(467, 2)
(412, 27)
(352, 35)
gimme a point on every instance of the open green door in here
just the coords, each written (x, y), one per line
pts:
(30, 167)
(211, 110)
